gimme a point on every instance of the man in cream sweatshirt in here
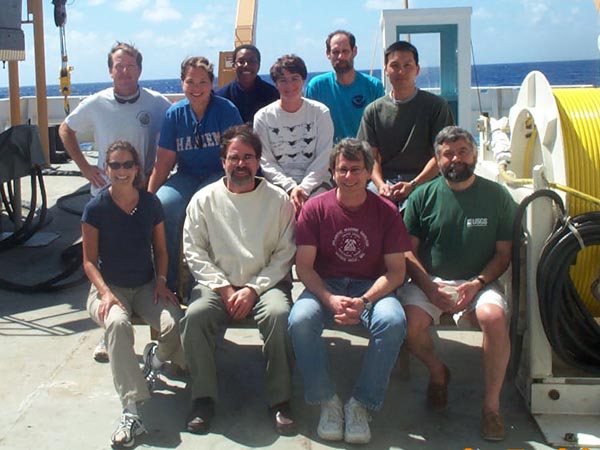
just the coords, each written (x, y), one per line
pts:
(239, 243)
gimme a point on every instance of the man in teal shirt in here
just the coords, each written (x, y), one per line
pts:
(345, 91)
(460, 226)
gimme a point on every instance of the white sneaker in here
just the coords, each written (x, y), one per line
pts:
(150, 372)
(357, 423)
(331, 422)
(130, 426)
(100, 352)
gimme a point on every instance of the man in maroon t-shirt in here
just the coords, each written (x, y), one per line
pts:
(350, 257)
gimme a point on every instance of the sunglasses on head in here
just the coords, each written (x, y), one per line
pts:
(197, 130)
(117, 165)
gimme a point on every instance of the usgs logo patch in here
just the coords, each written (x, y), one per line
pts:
(477, 222)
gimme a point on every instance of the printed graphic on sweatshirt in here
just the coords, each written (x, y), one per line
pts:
(294, 144)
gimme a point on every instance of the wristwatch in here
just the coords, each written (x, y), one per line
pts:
(367, 303)
(481, 280)
(413, 184)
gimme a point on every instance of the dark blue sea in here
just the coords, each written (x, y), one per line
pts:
(558, 73)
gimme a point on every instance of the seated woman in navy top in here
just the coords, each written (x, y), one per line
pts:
(125, 258)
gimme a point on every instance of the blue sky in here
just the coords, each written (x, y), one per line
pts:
(166, 31)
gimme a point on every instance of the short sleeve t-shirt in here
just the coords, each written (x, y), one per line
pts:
(458, 230)
(351, 243)
(125, 239)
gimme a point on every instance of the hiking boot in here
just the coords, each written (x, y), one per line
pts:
(129, 427)
(357, 423)
(150, 373)
(492, 426)
(331, 422)
(100, 353)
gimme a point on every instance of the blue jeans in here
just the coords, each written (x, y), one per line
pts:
(174, 196)
(387, 330)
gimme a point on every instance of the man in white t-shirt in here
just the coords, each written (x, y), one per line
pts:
(123, 112)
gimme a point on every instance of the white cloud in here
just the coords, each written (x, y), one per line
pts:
(202, 21)
(96, 2)
(130, 5)
(202, 31)
(536, 11)
(161, 11)
(340, 21)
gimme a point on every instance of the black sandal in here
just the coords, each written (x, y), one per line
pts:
(202, 414)
(282, 417)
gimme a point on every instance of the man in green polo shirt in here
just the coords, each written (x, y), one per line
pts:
(460, 227)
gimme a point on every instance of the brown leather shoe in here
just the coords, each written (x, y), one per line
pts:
(492, 426)
(282, 417)
(202, 414)
(437, 394)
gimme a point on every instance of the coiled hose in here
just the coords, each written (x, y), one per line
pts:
(29, 226)
(570, 328)
(71, 257)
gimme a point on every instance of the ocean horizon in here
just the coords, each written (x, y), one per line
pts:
(558, 73)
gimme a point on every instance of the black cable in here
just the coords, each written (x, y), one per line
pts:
(6, 194)
(71, 257)
(570, 328)
(28, 228)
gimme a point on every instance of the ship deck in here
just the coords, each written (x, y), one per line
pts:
(54, 395)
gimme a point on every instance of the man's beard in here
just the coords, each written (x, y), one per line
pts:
(241, 177)
(458, 172)
(343, 67)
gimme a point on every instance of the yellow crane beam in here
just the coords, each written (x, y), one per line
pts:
(245, 24)
(244, 33)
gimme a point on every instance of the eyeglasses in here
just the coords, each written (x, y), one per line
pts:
(235, 159)
(353, 171)
(197, 130)
(114, 165)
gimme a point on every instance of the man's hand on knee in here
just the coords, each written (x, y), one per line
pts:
(242, 302)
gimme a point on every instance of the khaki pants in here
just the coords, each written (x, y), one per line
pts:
(127, 375)
(206, 315)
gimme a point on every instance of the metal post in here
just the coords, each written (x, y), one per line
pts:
(15, 119)
(35, 8)
(13, 93)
